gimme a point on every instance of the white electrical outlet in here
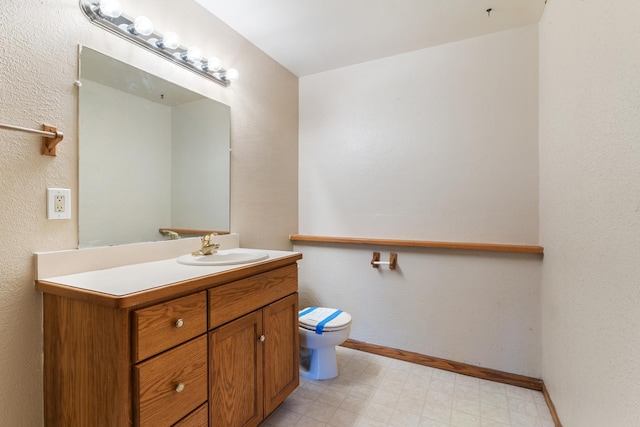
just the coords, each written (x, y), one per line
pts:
(58, 203)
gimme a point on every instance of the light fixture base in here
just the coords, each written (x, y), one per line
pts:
(118, 25)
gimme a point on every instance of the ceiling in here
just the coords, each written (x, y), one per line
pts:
(311, 36)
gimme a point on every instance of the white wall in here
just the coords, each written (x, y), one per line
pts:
(140, 183)
(39, 46)
(477, 308)
(436, 144)
(590, 210)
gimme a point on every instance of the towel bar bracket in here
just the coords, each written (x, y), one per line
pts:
(49, 144)
(50, 136)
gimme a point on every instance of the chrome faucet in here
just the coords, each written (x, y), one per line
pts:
(208, 247)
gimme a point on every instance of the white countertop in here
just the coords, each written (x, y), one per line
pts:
(129, 279)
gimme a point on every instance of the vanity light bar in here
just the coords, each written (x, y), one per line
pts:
(108, 15)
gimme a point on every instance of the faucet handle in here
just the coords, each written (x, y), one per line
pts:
(208, 247)
(207, 237)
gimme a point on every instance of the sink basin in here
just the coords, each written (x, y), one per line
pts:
(225, 257)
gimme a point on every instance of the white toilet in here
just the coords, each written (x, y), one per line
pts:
(321, 329)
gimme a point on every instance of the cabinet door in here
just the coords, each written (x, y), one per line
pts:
(281, 352)
(235, 373)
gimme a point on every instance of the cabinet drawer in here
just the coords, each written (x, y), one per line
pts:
(235, 299)
(172, 384)
(198, 418)
(166, 325)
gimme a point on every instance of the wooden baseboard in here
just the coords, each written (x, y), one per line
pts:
(552, 407)
(447, 365)
(459, 368)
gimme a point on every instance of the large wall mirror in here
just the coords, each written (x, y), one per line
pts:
(153, 155)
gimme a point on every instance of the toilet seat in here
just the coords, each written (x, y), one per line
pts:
(323, 319)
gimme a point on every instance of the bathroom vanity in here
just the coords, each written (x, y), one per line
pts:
(164, 344)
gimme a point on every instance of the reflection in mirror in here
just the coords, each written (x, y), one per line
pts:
(153, 155)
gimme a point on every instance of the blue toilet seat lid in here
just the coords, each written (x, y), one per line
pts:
(323, 319)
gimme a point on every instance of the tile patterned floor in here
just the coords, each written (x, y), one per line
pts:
(374, 391)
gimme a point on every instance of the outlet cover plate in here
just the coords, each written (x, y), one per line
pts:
(58, 203)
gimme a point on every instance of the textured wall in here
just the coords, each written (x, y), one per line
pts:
(38, 68)
(436, 144)
(590, 210)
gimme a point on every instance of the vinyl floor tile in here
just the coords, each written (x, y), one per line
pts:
(376, 391)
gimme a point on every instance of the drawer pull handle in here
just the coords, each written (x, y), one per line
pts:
(179, 323)
(179, 387)
(262, 338)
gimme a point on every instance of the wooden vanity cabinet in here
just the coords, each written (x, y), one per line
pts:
(198, 418)
(162, 326)
(253, 363)
(169, 386)
(170, 347)
(87, 363)
(224, 353)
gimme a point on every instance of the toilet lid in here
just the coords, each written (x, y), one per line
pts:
(325, 319)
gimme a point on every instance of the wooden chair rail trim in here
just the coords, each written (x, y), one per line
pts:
(491, 247)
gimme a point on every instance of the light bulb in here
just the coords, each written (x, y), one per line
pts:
(110, 8)
(169, 41)
(193, 54)
(142, 25)
(231, 74)
(213, 64)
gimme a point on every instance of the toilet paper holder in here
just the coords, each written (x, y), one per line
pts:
(393, 259)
